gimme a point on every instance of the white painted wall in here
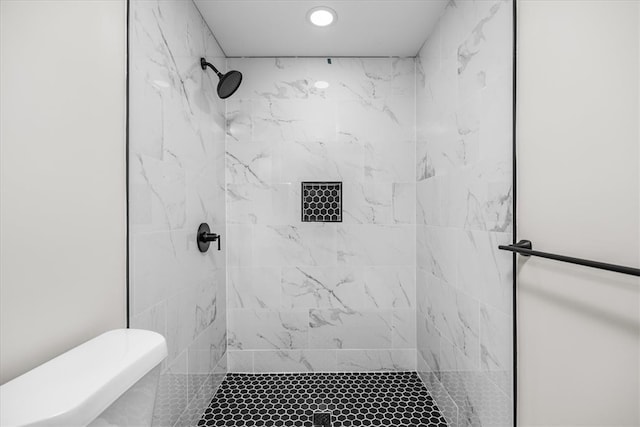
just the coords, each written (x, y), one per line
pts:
(578, 194)
(62, 201)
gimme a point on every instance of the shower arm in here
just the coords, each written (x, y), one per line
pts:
(204, 64)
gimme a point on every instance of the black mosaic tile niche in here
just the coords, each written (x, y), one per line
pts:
(352, 399)
(321, 201)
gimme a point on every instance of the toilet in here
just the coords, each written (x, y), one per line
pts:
(110, 380)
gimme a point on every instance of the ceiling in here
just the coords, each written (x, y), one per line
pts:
(280, 28)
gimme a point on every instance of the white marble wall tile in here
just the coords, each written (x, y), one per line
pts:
(428, 343)
(162, 261)
(496, 346)
(443, 89)
(375, 244)
(495, 135)
(140, 200)
(487, 50)
(431, 116)
(463, 210)
(252, 164)
(366, 78)
(389, 287)
(289, 245)
(377, 360)
(466, 325)
(293, 120)
(367, 202)
(295, 361)
(322, 287)
(343, 329)
(468, 116)
(443, 155)
(424, 163)
(422, 295)
(403, 81)
(192, 311)
(274, 78)
(348, 287)
(164, 187)
(148, 89)
(151, 281)
(441, 308)
(274, 204)
(428, 209)
(282, 130)
(265, 329)
(404, 203)
(248, 203)
(452, 359)
(367, 120)
(487, 272)
(403, 334)
(240, 361)
(390, 160)
(479, 197)
(207, 350)
(454, 199)
(482, 198)
(437, 252)
(204, 200)
(457, 25)
(179, 29)
(239, 125)
(455, 317)
(254, 287)
(454, 145)
(239, 243)
(177, 181)
(318, 160)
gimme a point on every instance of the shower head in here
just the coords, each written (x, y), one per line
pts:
(228, 83)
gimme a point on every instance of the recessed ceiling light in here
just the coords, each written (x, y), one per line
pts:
(322, 16)
(321, 84)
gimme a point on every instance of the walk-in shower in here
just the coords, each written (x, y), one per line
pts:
(359, 280)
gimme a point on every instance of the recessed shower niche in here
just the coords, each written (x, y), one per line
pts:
(401, 274)
(321, 202)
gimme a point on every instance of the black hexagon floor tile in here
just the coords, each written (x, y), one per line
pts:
(352, 399)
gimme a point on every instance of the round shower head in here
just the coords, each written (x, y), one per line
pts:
(229, 82)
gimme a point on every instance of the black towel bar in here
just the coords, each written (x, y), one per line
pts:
(525, 248)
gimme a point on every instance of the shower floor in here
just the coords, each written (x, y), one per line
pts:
(353, 399)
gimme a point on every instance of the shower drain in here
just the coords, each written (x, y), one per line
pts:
(322, 419)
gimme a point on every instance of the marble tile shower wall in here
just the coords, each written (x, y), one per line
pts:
(176, 181)
(321, 296)
(464, 200)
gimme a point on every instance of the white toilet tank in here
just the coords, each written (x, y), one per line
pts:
(110, 380)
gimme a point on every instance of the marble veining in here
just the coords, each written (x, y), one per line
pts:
(464, 199)
(301, 295)
(411, 279)
(177, 181)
